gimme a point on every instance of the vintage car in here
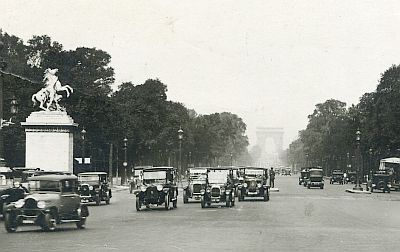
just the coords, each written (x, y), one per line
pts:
(219, 187)
(315, 179)
(286, 172)
(196, 183)
(254, 183)
(381, 181)
(158, 188)
(53, 200)
(94, 187)
(304, 174)
(351, 177)
(392, 166)
(9, 195)
(337, 177)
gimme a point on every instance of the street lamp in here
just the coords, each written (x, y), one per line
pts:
(83, 136)
(180, 137)
(231, 159)
(358, 138)
(125, 163)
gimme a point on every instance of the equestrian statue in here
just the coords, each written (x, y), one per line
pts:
(48, 97)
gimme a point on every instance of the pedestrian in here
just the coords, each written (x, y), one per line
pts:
(272, 178)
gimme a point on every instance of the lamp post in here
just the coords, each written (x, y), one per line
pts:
(307, 160)
(180, 137)
(231, 158)
(358, 163)
(83, 137)
(125, 163)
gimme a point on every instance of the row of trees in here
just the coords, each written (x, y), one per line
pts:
(141, 113)
(330, 137)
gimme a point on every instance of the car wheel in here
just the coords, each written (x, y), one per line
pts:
(130, 189)
(81, 224)
(166, 199)
(202, 202)
(322, 187)
(308, 186)
(175, 203)
(10, 222)
(3, 210)
(138, 204)
(266, 196)
(239, 195)
(98, 200)
(233, 201)
(185, 197)
(372, 189)
(228, 202)
(108, 200)
(388, 190)
(50, 222)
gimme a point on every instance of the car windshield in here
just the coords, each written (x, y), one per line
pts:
(316, 173)
(254, 173)
(154, 176)
(198, 174)
(44, 185)
(218, 176)
(89, 179)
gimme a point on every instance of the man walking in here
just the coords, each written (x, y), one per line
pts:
(272, 178)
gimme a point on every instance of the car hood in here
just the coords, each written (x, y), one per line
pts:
(43, 196)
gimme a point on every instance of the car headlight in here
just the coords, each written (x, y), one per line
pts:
(202, 191)
(222, 189)
(208, 190)
(143, 188)
(159, 187)
(259, 185)
(41, 204)
(90, 187)
(20, 203)
(245, 185)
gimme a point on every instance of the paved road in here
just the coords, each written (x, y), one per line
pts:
(295, 219)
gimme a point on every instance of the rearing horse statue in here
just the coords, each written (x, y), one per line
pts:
(49, 94)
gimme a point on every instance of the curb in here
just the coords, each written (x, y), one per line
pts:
(274, 189)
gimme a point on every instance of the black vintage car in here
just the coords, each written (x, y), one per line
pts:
(158, 188)
(304, 175)
(351, 177)
(381, 180)
(9, 195)
(315, 179)
(196, 183)
(53, 200)
(337, 177)
(254, 183)
(219, 187)
(94, 187)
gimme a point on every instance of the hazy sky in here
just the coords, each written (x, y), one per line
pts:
(269, 62)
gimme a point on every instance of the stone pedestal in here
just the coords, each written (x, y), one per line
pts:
(49, 141)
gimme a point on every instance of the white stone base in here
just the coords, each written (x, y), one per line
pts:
(49, 141)
(275, 189)
(358, 191)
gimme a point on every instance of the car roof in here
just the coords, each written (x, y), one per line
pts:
(253, 167)
(315, 169)
(159, 168)
(91, 173)
(55, 177)
(221, 168)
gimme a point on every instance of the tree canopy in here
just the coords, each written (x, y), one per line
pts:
(140, 112)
